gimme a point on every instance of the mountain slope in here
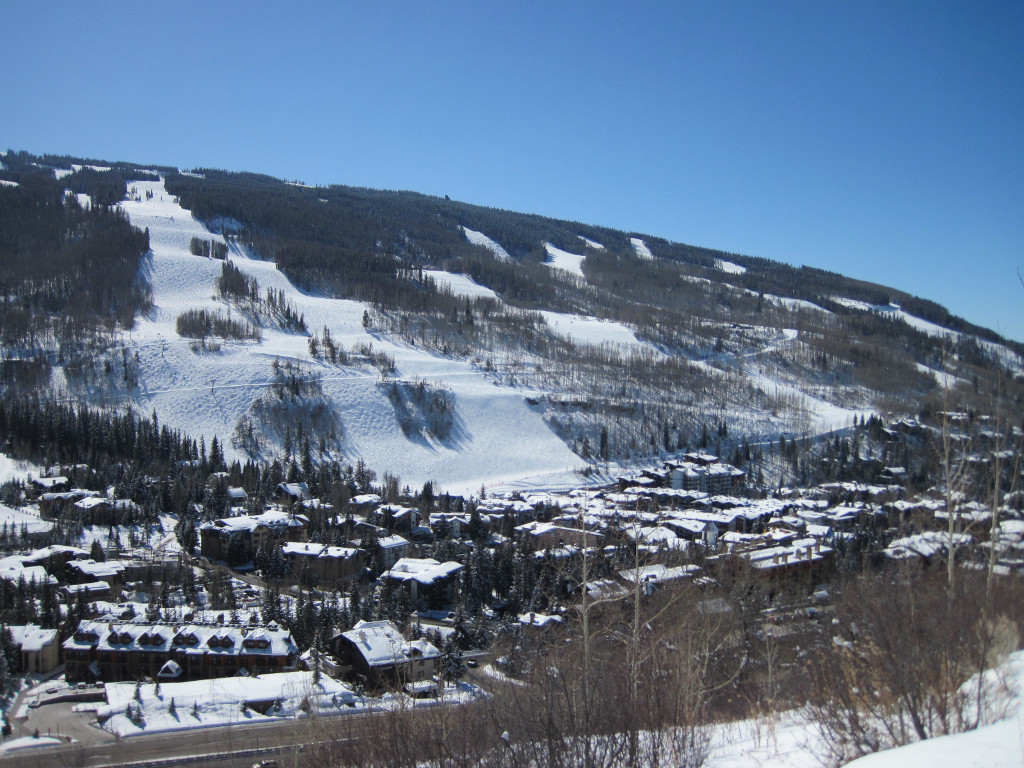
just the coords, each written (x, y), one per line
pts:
(438, 340)
(207, 392)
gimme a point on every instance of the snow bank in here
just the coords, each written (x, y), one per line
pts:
(998, 745)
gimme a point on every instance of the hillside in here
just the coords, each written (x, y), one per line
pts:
(442, 341)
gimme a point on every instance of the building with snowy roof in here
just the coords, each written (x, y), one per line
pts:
(38, 648)
(237, 539)
(375, 651)
(115, 652)
(292, 492)
(431, 584)
(321, 564)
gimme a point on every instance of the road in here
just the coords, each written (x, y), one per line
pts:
(235, 746)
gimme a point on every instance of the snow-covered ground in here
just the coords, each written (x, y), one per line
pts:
(559, 259)
(460, 285)
(479, 238)
(206, 392)
(590, 330)
(235, 700)
(729, 267)
(15, 469)
(641, 248)
(26, 519)
(580, 329)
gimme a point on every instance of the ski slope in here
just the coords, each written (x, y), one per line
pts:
(567, 262)
(205, 393)
(577, 328)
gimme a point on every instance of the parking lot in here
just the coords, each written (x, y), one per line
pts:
(48, 708)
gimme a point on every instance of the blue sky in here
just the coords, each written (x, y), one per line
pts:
(881, 140)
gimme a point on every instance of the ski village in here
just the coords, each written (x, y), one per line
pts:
(246, 523)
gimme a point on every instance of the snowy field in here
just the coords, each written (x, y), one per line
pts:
(460, 285)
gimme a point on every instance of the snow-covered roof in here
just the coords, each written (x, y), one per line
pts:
(366, 499)
(381, 644)
(295, 490)
(270, 640)
(98, 571)
(94, 502)
(538, 619)
(311, 549)
(49, 482)
(13, 569)
(271, 519)
(659, 573)
(926, 544)
(32, 637)
(423, 570)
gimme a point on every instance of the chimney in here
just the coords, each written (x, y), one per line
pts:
(785, 557)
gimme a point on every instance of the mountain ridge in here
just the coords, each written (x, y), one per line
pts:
(630, 349)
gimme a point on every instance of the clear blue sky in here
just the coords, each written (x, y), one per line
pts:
(883, 140)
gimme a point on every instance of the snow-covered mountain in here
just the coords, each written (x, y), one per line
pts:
(497, 438)
(478, 348)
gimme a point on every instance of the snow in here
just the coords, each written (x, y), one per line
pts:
(5, 183)
(641, 248)
(27, 518)
(460, 285)
(591, 243)
(996, 745)
(219, 701)
(15, 469)
(479, 238)
(559, 259)
(577, 328)
(28, 742)
(590, 330)
(865, 306)
(945, 380)
(729, 267)
(205, 393)
(773, 741)
(794, 305)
